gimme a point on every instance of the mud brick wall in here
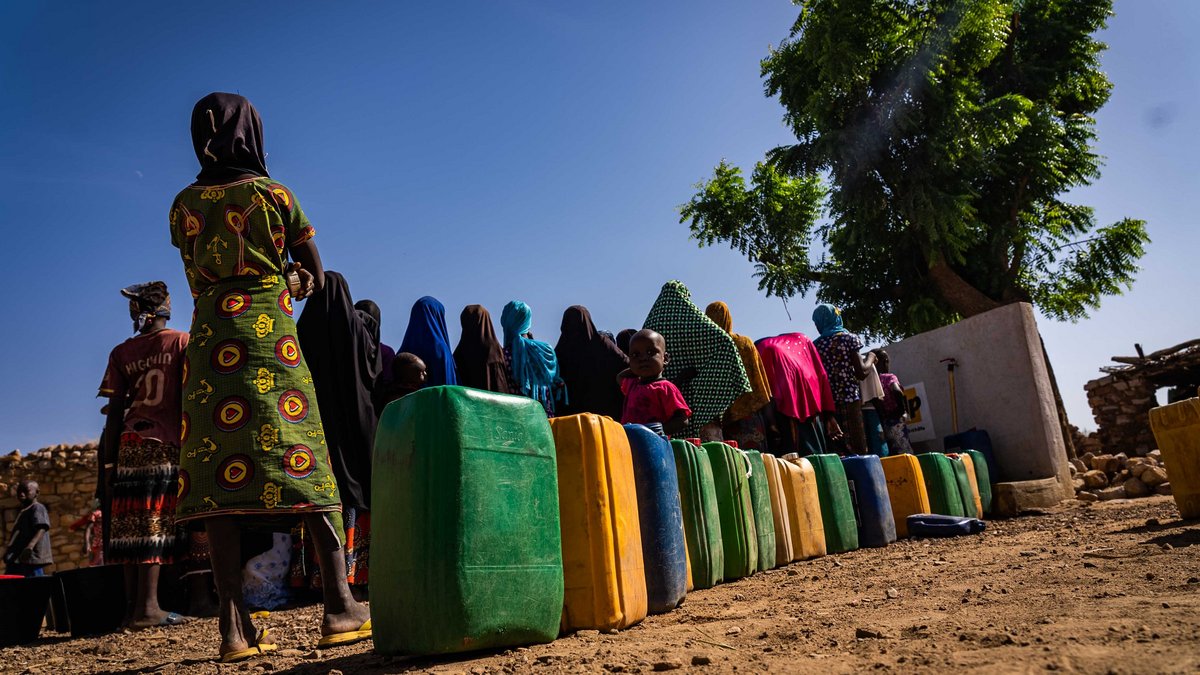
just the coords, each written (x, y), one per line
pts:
(67, 477)
(1121, 404)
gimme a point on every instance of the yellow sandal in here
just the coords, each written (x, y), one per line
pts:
(250, 652)
(347, 638)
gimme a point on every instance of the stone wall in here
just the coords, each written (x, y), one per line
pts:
(1121, 404)
(67, 478)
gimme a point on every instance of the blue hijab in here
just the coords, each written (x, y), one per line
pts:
(427, 338)
(829, 320)
(534, 363)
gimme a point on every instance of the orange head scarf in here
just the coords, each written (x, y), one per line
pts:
(760, 393)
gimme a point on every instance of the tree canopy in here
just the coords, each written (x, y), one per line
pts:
(935, 140)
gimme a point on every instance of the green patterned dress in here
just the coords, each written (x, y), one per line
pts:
(252, 441)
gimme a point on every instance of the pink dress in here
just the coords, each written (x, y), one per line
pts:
(798, 381)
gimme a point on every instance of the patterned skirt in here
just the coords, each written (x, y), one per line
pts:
(253, 443)
(143, 502)
(305, 572)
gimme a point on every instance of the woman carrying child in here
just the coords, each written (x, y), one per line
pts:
(704, 363)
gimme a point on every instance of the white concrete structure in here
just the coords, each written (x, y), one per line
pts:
(1002, 386)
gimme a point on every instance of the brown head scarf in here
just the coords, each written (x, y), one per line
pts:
(479, 358)
(227, 136)
(589, 362)
(147, 301)
(760, 392)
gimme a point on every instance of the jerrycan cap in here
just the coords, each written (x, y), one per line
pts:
(792, 455)
(732, 444)
(693, 441)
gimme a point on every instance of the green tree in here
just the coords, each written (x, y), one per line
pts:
(935, 140)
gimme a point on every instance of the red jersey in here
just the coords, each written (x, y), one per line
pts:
(646, 402)
(146, 371)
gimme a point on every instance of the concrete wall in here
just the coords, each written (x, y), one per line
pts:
(1002, 387)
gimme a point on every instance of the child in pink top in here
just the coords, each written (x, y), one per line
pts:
(649, 397)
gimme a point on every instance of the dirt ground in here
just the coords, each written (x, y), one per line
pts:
(1108, 588)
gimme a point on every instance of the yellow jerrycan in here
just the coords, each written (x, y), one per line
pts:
(1177, 430)
(906, 489)
(784, 553)
(603, 572)
(804, 507)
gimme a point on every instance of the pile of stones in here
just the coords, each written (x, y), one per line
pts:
(1100, 477)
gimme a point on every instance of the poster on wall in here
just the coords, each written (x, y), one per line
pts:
(920, 421)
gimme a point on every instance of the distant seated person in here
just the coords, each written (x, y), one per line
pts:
(28, 551)
(408, 375)
(651, 399)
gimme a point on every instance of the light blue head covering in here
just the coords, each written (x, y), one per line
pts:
(828, 319)
(534, 363)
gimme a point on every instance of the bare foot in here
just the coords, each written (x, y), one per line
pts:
(157, 619)
(352, 619)
(236, 636)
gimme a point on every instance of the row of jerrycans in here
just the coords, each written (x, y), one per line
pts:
(744, 511)
(493, 527)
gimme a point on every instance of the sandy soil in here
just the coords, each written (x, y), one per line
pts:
(1112, 587)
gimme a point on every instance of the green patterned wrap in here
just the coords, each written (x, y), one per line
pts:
(252, 438)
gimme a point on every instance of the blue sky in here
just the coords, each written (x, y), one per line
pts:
(476, 152)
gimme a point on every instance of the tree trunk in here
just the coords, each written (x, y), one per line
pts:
(960, 295)
(969, 301)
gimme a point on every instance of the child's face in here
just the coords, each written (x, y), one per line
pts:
(647, 355)
(27, 493)
(413, 376)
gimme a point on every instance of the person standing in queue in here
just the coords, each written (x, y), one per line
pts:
(589, 362)
(840, 353)
(342, 349)
(479, 357)
(143, 383)
(253, 449)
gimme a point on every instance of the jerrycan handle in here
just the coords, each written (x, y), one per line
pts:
(749, 465)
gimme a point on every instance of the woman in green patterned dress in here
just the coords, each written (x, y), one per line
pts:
(253, 451)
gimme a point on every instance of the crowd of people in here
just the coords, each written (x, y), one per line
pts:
(258, 427)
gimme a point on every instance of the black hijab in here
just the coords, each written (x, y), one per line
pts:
(227, 136)
(624, 338)
(479, 359)
(369, 312)
(589, 363)
(343, 355)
